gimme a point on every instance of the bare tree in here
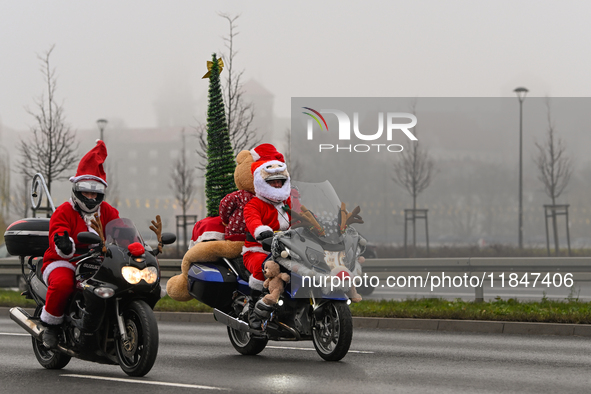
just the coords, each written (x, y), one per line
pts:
(53, 147)
(22, 194)
(182, 183)
(414, 171)
(554, 168)
(239, 113)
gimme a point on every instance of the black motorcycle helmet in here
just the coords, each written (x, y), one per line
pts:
(84, 204)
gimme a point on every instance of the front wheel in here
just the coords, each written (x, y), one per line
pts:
(138, 353)
(332, 332)
(49, 359)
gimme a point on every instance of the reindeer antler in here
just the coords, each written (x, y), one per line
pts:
(157, 228)
(306, 219)
(97, 226)
(349, 218)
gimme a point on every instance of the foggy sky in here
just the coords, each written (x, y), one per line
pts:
(114, 58)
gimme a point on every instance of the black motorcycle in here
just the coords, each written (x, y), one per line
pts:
(109, 318)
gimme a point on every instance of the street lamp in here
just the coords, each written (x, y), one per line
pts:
(521, 92)
(102, 123)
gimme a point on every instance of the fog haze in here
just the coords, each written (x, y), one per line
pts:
(115, 59)
(139, 64)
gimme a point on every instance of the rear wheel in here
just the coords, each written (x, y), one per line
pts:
(245, 343)
(138, 353)
(332, 332)
(49, 359)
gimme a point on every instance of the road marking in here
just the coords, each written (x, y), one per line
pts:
(190, 386)
(15, 334)
(311, 348)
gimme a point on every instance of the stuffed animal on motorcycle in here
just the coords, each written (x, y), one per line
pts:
(219, 236)
(342, 273)
(275, 282)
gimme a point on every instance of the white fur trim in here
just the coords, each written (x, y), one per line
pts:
(260, 229)
(210, 236)
(54, 265)
(66, 256)
(254, 249)
(282, 217)
(192, 243)
(255, 283)
(255, 155)
(263, 189)
(75, 179)
(48, 318)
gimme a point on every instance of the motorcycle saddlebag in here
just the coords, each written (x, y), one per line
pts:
(27, 237)
(213, 284)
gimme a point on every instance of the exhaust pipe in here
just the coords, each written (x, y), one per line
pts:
(23, 319)
(233, 323)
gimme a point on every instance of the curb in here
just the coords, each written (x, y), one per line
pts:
(479, 326)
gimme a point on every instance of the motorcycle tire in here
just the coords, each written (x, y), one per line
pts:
(138, 354)
(245, 343)
(333, 332)
(48, 359)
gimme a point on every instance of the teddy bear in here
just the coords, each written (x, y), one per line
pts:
(275, 282)
(219, 236)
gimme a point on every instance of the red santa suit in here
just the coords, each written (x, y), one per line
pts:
(265, 212)
(58, 271)
(66, 218)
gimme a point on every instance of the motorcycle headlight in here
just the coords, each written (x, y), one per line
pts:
(150, 274)
(104, 292)
(134, 275)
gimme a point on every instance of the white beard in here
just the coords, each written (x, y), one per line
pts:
(263, 189)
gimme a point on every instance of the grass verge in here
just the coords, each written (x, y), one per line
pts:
(547, 311)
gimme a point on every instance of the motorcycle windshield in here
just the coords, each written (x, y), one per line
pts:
(321, 200)
(122, 232)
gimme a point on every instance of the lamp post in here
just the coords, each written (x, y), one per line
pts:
(102, 123)
(521, 92)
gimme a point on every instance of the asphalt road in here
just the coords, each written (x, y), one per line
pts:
(199, 358)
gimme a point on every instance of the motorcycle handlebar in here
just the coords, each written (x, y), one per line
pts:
(84, 255)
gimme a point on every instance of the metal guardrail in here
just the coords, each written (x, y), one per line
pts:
(578, 266)
(481, 264)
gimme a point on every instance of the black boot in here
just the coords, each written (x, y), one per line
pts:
(252, 300)
(50, 335)
(260, 313)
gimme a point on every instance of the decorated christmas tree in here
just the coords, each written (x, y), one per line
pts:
(219, 173)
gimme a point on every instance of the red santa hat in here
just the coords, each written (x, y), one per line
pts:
(263, 154)
(209, 229)
(91, 165)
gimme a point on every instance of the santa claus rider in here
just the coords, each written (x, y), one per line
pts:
(264, 215)
(70, 219)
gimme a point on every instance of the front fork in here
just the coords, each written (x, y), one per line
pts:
(120, 322)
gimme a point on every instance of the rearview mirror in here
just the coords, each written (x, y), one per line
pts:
(168, 238)
(88, 238)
